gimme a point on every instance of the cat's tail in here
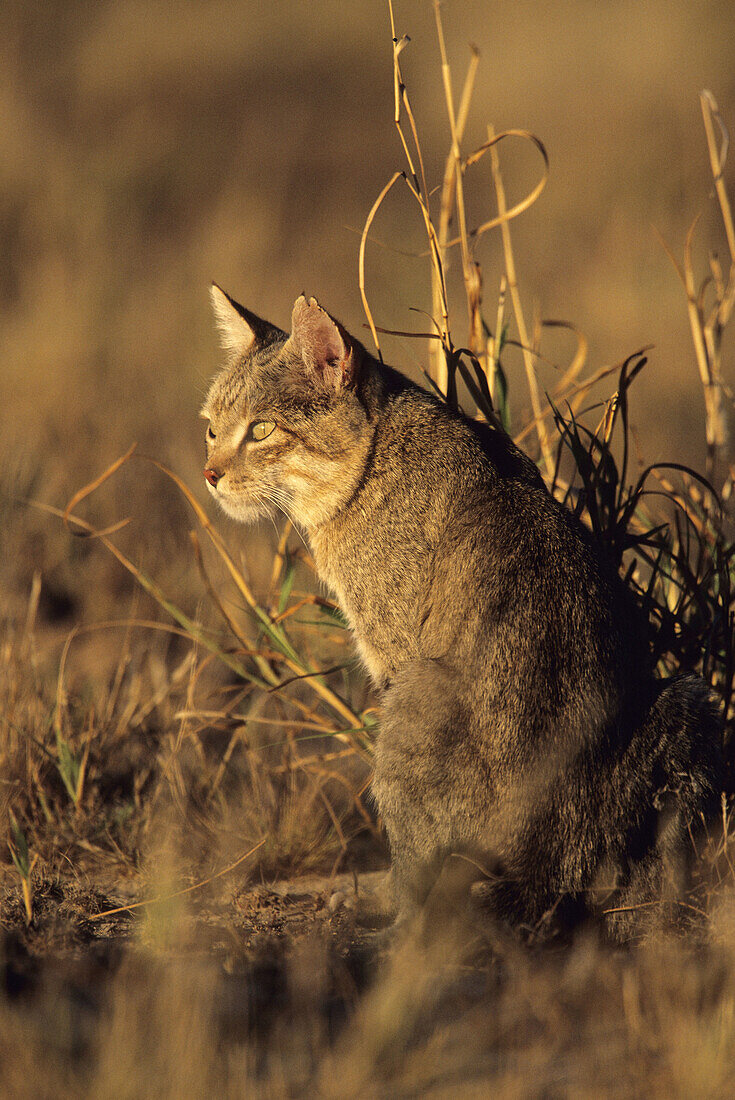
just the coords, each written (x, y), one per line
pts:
(676, 762)
(684, 729)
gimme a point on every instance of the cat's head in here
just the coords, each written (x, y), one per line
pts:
(287, 426)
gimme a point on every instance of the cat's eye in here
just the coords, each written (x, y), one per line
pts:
(210, 433)
(261, 429)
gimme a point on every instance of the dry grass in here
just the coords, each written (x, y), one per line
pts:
(658, 1022)
(181, 721)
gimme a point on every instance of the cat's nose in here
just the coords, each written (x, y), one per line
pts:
(212, 476)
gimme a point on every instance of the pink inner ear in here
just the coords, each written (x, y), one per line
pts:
(325, 344)
(321, 343)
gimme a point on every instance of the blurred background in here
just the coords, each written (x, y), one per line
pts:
(147, 148)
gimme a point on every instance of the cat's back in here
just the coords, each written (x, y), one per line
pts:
(426, 448)
(458, 533)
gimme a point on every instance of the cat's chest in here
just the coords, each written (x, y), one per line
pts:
(379, 600)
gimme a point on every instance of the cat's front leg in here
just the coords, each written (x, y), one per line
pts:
(422, 783)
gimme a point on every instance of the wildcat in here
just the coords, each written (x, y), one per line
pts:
(522, 725)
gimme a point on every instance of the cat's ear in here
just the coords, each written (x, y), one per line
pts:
(239, 329)
(328, 352)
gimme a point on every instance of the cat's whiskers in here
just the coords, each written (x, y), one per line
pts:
(280, 498)
(294, 523)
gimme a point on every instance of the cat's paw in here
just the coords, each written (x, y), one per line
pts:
(373, 906)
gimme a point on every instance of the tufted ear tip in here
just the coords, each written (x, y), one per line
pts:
(303, 305)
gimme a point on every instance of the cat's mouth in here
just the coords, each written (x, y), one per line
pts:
(244, 508)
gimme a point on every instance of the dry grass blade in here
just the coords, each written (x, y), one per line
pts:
(706, 350)
(707, 330)
(578, 360)
(191, 628)
(605, 428)
(409, 335)
(693, 304)
(361, 262)
(510, 271)
(126, 624)
(525, 203)
(710, 112)
(420, 192)
(469, 269)
(568, 390)
(232, 625)
(437, 359)
(399, 88)
(669, 252)
(92, 485)
(699, 522)
(179, 893)
(291, 658)
(279, 559)
(250, 719)
(495, 343)
(268, 678)
(236, 574)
